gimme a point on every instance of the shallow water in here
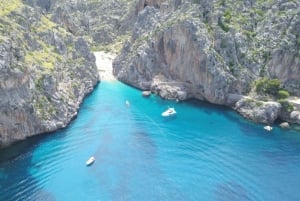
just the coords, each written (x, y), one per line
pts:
(205, 153)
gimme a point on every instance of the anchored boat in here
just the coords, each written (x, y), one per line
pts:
(169, 112)
(90, 161)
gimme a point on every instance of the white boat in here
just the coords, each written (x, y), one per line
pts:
(90, 161)
(127, 103)
(268, 128)
(169, 112)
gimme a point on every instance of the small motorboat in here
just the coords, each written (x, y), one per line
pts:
(90, 161)
(268, 128)
(169, 112)
(127, 103)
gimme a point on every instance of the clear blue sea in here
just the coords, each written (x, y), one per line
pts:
(204, 153)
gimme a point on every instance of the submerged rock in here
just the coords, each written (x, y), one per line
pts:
(146, 93)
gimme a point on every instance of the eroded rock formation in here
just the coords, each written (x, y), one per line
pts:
(101, 22)
(45, 72)
(214, 51)
(179, 49)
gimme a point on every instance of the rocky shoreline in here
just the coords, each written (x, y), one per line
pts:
(200, 49)
(177, 49)
(45, 72)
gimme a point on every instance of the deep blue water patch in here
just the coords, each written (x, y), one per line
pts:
(205, 152)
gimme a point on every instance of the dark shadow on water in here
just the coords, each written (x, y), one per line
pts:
(207, 107)
(144, 143)
(248, 127)
(16, 165)
(231, 191)
(21, 147)
(25, 145)
(15, 169)
(28, 144)
(42, 195)
(287, 151)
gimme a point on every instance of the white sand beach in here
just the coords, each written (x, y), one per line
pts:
(104, 65)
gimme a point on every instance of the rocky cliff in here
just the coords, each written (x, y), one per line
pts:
(216, 51)
(105, 24)
(224, 52)
(45, 72)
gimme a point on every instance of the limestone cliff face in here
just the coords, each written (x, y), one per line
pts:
(212, 50)
(285, 65)
(143, 3)
(45, 72)
(100, 22)
(259, 111)
(182, 53)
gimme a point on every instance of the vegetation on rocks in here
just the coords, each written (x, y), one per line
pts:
(104, 24)
(179, 49)
(286, 105)
(45, 71)
(282, 94)
(214, 50)
(268, 86)
(6, 7)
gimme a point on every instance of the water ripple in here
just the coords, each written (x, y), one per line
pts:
(204, 153)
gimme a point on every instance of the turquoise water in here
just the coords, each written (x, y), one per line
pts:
(203, 153)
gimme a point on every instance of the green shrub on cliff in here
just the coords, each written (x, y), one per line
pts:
(268, 86)
(286, 106)
(223, 25)
(227, 16)
(271, 87)
(44, 58)
(282, 94)
(7, 7)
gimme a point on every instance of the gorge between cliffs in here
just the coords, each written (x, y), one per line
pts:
(241, 54)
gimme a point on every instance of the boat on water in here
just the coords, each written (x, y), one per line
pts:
(90, 161)
(268, 128)
(169, 112)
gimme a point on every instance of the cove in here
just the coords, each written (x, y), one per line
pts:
(205, 153)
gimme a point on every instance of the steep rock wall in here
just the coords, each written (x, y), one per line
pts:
(143, 3)
(101, 22)
(212, 50)
(45, 72)
(180, 52)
